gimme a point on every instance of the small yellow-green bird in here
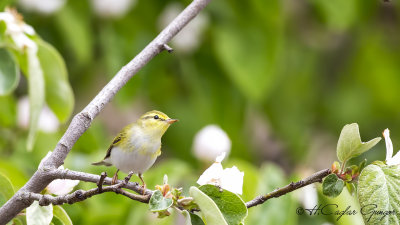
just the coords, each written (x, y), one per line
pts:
(137, 146)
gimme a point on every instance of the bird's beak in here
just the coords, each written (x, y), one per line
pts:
(171, 121)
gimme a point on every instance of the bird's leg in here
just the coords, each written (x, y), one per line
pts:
(115, 178)
(143, 183)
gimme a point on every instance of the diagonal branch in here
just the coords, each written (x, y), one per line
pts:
(82, 121)
(316, 177)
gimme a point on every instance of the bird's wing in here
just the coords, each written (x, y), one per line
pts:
(117, 139)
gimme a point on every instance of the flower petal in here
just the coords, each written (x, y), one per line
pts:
(212, 175)
(389, 145)
(61, 186)
(232, 180)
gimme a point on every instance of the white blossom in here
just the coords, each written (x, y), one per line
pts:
(210, 142)
(59, 186)
(230, 179)
(42, 6)
(308, 196)
(18, 30)
(112, 8)
(391, 161)
(48, 121)
(189, 38)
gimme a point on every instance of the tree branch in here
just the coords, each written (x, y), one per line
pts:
(316, 177)
(80, 195)
(87, 177)
(82, 121)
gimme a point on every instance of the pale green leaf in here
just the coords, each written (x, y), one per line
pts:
(230, 204)
(250, 67)
(9, 74)
(39, 215)
(186, 215)
(75, 29)
(350, 145)
(36, 95)
(209, 210)
(158, 203)
(6, 188)
(378, 190)
(59, 95)
(62, 215)
(332, 186)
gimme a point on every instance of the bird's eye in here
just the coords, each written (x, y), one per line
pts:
(156, 117)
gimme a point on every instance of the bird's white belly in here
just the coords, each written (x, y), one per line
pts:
(135, 161)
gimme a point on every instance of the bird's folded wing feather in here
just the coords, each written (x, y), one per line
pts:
(115, 142)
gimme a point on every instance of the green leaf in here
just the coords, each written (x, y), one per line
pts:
(191, 218)
(75, 29)
(351, 188)
(59, 95)
(6, 189)
(209, 210)
(158, 203)
(378, 189)
(60, 213)
(350, 145)
(195, 219)
(230, 204)
(272, 176)
(250, 67)
(39, 215)
(9, 75)
(8, 111)
(332, 186)
(36, 95)
(337, 19)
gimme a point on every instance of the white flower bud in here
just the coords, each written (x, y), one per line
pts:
(189, 38)
(48, 122)
(112, 8)
(42, 6)
(210, 142)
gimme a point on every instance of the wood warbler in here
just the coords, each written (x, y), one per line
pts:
(137, 146)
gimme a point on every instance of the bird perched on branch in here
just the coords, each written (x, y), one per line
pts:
(137, 146)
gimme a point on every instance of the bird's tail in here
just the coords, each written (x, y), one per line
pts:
(101, 163)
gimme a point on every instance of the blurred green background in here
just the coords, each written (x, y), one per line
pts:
(281, 78)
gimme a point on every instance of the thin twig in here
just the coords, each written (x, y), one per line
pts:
(316, 177)
(168, 48)
(82, 121)
(101, 181)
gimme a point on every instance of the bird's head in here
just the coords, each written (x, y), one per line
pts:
(155, 122)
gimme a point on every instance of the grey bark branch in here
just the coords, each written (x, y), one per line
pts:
(82, 121)
(316, 177)
(81, 195)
